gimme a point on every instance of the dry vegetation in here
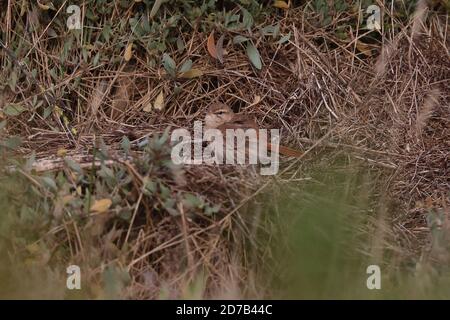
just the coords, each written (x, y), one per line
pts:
(90, 116)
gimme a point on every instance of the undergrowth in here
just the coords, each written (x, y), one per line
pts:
(86, 176)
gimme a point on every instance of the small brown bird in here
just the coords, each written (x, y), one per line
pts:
(220, 116)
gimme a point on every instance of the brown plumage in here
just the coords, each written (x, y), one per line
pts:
(220, 116)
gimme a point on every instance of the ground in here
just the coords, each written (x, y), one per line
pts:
(86, 116)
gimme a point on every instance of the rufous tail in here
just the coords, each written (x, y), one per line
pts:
(285, 151)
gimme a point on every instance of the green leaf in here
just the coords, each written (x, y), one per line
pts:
(73, 165)
(254, 56)
(30, 162)
(2, 124)
(91, 16)
(187, 65)
(13, 110)
(96, 59)
(13, 80)
(49, 183)
(146, 24)
(150, 186)
(211, 210)
(239, 39)
(191, 201)
(284, 38)
(106, 32)
(180, 44)
(268, 30)
(155, 8)
(11, 142)
(172, 22)
(106, 173)
(169, 64)
(125, 144)
(114, 280)
(169, 205)
(47, 112)
(276, 31)
(247, 19)
(164, 191)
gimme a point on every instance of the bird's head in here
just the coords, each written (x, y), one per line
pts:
(218, 114)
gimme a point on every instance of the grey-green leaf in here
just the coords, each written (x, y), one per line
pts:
(254, 56)
(239, 39)
(169, 64)
(30, 162)
(187, 65)
(2, 124)
(125, 144)
(268, 30)
(285, 38)
(73, 165)
(11, 142)
(49, 183)
(155, 8)
(247, 19)
(13, 110)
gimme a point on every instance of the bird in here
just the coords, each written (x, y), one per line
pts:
(220, 116)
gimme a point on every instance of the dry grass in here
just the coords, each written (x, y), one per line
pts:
(388, 108)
